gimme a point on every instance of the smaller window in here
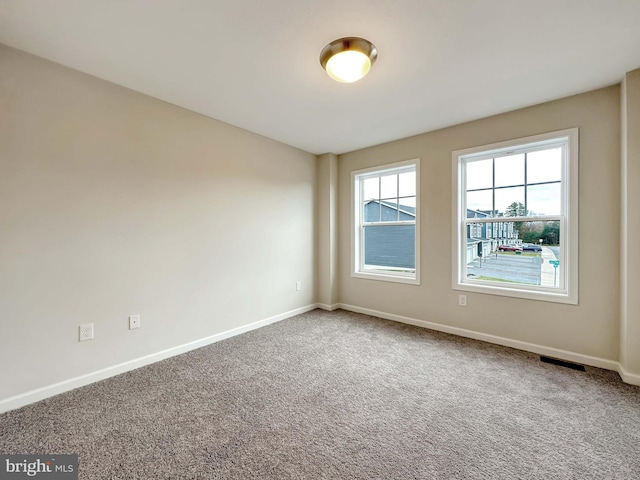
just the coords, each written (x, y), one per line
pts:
(386, 222)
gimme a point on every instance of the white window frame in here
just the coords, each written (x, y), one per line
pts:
(567, 292)
(357, 224)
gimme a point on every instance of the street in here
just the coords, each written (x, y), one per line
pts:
(527, 268)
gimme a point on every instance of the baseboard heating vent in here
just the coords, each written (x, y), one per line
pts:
(562, 363)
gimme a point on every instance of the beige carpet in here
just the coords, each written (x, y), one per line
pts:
(342, 396)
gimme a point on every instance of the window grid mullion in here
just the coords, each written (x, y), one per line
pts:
(526, 189)
(361, 226)
(550, 182)
(493, 187)
(398, 199)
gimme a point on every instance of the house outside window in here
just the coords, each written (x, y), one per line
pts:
(516, 218)
(385, 233)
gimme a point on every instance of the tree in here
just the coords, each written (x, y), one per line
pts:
(551, 233)
(531, 232)
(516, 209)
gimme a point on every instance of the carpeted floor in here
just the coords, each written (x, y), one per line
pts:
(342, 396)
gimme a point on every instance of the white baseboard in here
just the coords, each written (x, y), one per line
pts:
(32, 396)
(26, 398)
(329, 308)
(628, 377)
(506, 342)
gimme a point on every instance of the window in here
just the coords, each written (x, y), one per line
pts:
(516, 218)
(386, 222)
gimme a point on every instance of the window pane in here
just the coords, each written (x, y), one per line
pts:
(479, 174)
(481, 200)
(510, 201)
(408, 203)
(407, 184)
(544, 199)
(388, 211)
(476, 230)
(390, 247)
(389, 186)
(509, 170)
(371, 189)
(516, 255)
(372, 211)
(478, 214)
(407, 209)
(548, 231)
(544, 166)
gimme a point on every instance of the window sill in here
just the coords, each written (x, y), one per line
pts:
(385, 277)
(542, 296)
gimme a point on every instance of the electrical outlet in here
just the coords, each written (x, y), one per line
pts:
(134, 322)
(86, 332)
(462, 300)
(298, 286)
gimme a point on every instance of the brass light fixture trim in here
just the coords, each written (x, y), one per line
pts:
(361, 55)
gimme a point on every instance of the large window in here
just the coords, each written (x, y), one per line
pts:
(515, 224)
(386, 222)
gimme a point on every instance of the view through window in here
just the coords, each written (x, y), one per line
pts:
(386, 219)
(514, 214)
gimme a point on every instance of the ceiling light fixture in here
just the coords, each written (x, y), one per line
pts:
(348, 59)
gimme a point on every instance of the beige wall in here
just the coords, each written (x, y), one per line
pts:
(113, 203)
(327, 239)
(630, 199)
(590, 328)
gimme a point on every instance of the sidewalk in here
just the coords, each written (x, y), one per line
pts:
(548, 272)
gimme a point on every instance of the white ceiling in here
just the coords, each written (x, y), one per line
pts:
(254, 63)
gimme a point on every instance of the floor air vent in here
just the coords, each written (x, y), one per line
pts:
(562, 363)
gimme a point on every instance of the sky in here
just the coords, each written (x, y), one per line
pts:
(391, 187)
(541, 166)
(509, 171)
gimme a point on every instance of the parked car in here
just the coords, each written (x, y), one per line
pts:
(531, 248)
(510, 248)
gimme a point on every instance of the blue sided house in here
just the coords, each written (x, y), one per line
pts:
(389, 246)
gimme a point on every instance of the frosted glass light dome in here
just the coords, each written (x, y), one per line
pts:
(349, 66)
